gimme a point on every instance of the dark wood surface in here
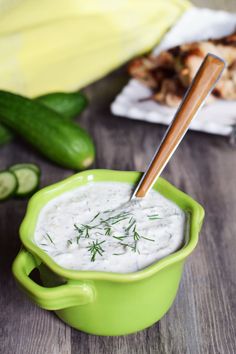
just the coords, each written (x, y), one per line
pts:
(202, 319)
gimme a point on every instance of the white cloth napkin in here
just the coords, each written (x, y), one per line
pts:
(217, 117)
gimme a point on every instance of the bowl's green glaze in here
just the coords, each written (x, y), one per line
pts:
(96, 302)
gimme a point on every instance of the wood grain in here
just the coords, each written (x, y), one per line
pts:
(202, 319)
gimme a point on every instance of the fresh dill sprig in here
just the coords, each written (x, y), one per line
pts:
(95, 217)
(86, 229)
(95, 248)
(108, 231)
(153, 217)
(119, 220)
(148, 239)
(83, 230)
(50, 238)
(124, 244)
(132, 222)
(69, 242)
(115, 218)
(120, 238)
(77, 228)
(133, 246)
(136, 235)
(107, 228)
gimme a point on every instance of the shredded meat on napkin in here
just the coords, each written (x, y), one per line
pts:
(170, 73)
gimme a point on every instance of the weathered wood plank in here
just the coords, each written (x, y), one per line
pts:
(24, 328)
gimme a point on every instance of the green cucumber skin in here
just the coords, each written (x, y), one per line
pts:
(31, 166)
(69, 105)
(61, 141)
(18, 194)
(12, 194)
(5, 135)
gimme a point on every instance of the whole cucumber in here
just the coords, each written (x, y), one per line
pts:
(61, 141)
(6, 135)
(68, 104)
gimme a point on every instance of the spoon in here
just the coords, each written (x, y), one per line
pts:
(203, 83)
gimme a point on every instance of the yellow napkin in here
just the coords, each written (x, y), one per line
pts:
(62, 45)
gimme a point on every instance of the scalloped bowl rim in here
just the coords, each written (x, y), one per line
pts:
(43, 196)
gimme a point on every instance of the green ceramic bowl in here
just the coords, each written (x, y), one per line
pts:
(97, 302)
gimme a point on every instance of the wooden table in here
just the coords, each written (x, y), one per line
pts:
(202, 319)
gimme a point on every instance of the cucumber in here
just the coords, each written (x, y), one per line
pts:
(8, 184)
(69, 105)
(33, 166)
(63, 142)
(28, 179)
(5, 135)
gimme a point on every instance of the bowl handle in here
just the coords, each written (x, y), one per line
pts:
(55, 298)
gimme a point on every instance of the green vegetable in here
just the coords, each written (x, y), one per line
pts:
(8, 184)
(95, 248)
(33, 166)
(61, 141)
(5, 135)
(28, 178)
(69, 105)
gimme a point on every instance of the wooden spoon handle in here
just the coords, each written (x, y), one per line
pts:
(203, 83)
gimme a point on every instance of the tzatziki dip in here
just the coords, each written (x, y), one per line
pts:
(96, 227)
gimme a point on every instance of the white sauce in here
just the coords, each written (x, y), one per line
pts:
(130, 236)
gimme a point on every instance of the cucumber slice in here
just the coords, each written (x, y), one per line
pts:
(32, 166)
(8, 184)
(28, 181)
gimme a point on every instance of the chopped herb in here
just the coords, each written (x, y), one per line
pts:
(86, 229)
(106, 225)
(50, 239)
(107, 229)
(94, 248)
(120, 238)
(69, 242)
(131, 222)
(80, 231)
(114, 218)
(121, 219)
(83, 230)
(95, 217)
(136, 234)
(148, 239)
(153, 217)
(135, 249)
(124, 244)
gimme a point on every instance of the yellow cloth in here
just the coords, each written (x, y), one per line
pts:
(52, 45)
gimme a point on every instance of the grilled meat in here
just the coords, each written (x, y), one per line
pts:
(170, 73)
